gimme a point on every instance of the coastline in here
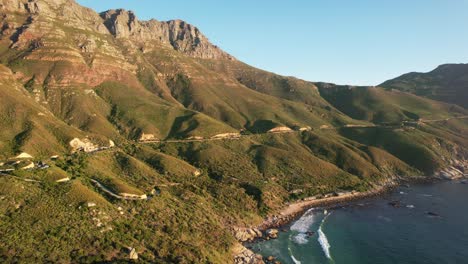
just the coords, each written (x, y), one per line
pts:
(415, 203)
(270, 226)
(268, 229)
(298, 208)
(454, 170)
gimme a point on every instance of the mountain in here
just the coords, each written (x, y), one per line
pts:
(123, 138)
(447, 83)
(381, 106)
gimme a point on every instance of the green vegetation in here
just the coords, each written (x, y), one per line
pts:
(77, 83)
(447, 83)
(380, 106)
(138, 111)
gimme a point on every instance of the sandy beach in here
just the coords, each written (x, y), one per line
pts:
(293, 210)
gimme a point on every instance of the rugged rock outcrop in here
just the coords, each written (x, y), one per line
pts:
(178, 34)
(246, 256)
(247, 234)
(457, 170)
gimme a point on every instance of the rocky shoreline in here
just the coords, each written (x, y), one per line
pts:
(272, 225)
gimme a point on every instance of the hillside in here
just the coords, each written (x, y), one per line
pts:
(123, 138)
(448, 83)
(382, 106)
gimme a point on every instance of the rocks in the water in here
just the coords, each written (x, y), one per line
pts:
(396, 204)
(272, 260)
(272, 233)
(250, 234)
(433, 214)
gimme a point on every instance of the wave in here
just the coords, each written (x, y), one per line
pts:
(303, 224)
(323, 240)
(302, 227)
(300, 239)
(293, 258)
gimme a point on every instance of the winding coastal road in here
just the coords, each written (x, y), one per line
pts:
(403, 124)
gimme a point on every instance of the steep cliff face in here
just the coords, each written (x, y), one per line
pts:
(69, 42)
(68, 11)
(180, 35)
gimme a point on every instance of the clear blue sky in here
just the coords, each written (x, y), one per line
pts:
(342, 41)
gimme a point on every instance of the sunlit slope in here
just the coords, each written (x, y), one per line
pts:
(448, 83)
(381, 106)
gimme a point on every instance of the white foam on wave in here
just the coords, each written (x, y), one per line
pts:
(300, 239)
(322, 239)
(386, 219)
(302, 227)
(293, 258)
(303, 224)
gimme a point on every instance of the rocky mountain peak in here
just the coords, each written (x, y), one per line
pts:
(178, 34)
(121, 23)
(32, 6)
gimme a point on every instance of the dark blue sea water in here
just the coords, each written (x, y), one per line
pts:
(429, 225)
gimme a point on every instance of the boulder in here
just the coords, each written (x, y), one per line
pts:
(133, 255)
(247, 234)
(246, 256)
(272, 233)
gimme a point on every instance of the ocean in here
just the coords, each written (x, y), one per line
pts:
(417, 224)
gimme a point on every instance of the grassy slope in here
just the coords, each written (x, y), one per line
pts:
(423, 151)
(221, 96)
(138, 111)
(447, 83)
(26, 126)
(381, 106)
(174, 96)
